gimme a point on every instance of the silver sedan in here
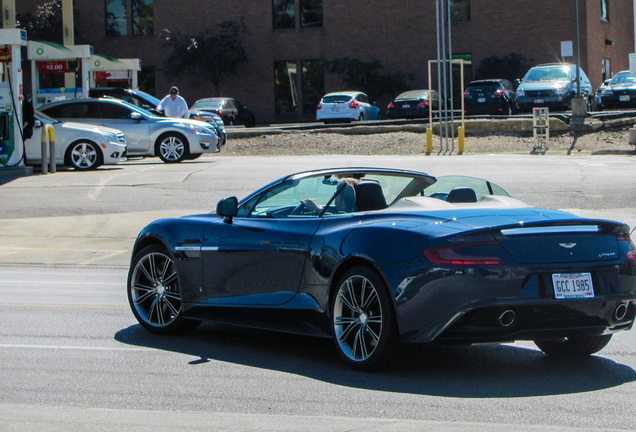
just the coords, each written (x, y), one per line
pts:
(173, 140)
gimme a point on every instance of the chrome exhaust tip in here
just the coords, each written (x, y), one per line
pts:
(507, 318)
(620, 312)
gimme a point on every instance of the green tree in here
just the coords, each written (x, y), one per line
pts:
(367, 77)
(211, 56)
(44, 24)
(510, 67)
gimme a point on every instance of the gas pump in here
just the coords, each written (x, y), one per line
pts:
(11, 95)
(58, 72)
(113, 72)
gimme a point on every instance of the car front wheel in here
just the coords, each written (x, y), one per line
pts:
(154, 293)
(84, 156)
(577, 346)
(172, 148)
(363, 320)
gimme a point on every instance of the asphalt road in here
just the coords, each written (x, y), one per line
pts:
(74, 358)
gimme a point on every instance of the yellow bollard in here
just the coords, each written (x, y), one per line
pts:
(460, 140)
(429, 140)
(48, 149)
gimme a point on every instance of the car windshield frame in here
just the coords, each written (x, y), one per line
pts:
(548, 73)
(281, 198)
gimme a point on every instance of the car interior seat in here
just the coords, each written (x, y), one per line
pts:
(369, 196)
(462, 195)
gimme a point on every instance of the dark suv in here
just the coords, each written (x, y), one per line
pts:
(553, 85)
(490, 96)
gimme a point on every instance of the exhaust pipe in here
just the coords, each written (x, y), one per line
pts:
(507, 318)
(620, 312)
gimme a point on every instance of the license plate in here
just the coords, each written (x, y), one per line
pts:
(406, 106)
(624, 98)
(481, 100)
(538, 101)
(335, 108)
(575, 285)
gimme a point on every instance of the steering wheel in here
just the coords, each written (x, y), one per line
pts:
(302, 210)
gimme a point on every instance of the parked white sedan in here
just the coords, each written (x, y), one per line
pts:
(172, 139)
(80, 146)
(346, 106)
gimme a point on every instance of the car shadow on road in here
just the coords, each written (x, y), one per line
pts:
(484, 371)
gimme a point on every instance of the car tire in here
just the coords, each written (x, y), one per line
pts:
(172, 148)
(83, 156)
(379, 116)
(363, 320)
(361, 117)
(576, 346)
(154, 293)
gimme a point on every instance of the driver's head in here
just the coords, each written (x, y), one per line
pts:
(345, 200)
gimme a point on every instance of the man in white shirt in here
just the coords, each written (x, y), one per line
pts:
(174, 105)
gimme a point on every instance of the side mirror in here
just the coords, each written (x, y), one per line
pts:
(135, 116)
(228, 208)
(37, 123)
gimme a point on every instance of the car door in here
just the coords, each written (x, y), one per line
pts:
(135, 126)
(256, 261)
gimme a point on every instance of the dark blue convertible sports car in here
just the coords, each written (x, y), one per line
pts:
(373, 257)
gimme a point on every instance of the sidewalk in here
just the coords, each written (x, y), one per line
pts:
(104, 240)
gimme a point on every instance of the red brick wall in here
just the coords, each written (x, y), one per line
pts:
(399, 33)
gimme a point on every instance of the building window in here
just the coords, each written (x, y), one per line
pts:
(313, 84)
(116, 18)
(460, 10)
(284, 14)
(311, 13)
(606, 69)
(142, 17)
(605, 10)
(285, 92)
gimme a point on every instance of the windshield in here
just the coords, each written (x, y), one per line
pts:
(556, 73)
(413, 95)
(208, 104)
(336, 99)
(624, 78)
(44, 117)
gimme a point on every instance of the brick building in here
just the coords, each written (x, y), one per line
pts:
(289, 40)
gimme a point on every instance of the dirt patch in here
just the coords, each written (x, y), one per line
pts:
(414, 143)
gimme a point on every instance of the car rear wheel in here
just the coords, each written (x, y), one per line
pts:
(154, 293)
(363, 320)
(83, 156)
(577, 346)
(172, 148)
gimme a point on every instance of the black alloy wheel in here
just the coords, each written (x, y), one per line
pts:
(154, 293)
(364, 329)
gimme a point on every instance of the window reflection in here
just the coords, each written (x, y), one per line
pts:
(143, 17)
(116, 18)
(284, 12)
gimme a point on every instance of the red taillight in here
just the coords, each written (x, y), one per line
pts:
(318, 106)
(453, 256)
(391, 106)
(500, 92)
(422, 104)
(466, 93)
(354, 104)
(631, 252)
